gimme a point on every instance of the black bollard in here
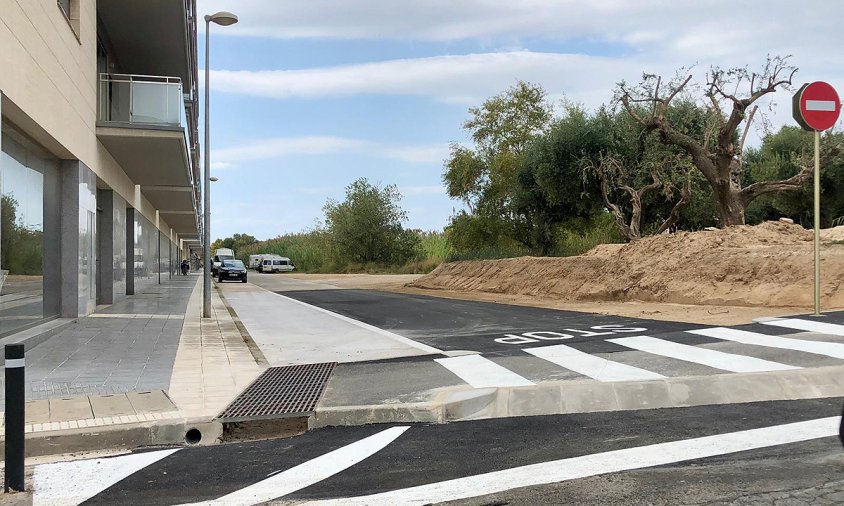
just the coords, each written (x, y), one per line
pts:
(15, 419)
(841, 427)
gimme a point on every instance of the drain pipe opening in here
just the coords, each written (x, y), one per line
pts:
(193, 436)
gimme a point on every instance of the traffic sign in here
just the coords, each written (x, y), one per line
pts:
(816, 106)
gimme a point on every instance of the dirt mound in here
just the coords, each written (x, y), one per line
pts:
(766, 264)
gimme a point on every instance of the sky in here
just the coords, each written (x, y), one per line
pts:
(307, 96)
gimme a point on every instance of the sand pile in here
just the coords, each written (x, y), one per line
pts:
(767, 264)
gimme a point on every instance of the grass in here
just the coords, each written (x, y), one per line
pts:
(313, 251)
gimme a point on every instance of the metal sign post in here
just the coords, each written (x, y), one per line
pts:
(816, 108)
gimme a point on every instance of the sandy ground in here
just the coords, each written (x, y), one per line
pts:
(724, 277)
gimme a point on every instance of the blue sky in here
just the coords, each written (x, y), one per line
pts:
(308, 96)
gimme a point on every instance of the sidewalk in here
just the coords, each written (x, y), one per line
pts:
(135, 373)
(147, 370)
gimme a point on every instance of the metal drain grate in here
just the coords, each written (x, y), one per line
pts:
(280, 391)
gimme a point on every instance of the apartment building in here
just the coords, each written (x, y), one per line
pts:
(99, 168)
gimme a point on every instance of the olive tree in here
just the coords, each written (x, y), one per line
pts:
(730, 99)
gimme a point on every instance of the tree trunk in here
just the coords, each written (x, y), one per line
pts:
(729, 205)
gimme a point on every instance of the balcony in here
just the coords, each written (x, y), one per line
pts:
(141, 121)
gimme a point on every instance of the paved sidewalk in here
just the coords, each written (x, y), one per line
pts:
(213, 363)
(125, 347)
(144, 369)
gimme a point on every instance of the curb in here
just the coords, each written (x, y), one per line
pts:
(588, 396)
(33, 336)
(172, 432)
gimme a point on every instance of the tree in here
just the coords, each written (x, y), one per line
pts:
(367, 226)
(780, 154)
(485, 177)
(633, 166)
(731, 98)
(551, 187)
(235, 242)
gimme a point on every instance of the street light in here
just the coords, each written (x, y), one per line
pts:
(221, 18)
(214, 179)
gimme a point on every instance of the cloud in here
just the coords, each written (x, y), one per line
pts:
(323, 145)
(772, 24)
(450, 78)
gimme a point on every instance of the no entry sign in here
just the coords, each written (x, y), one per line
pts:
(816, 106)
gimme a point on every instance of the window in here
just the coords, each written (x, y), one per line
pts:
(276, 262)
(70, 9)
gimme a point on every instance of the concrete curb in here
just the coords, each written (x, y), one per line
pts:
(587, 396)
(33, 336)
(170, 432)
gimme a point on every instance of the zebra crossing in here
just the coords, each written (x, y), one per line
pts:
(479, 371)
(377, 465)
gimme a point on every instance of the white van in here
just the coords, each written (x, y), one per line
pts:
(255, 261)
(279, 264)
(220, 255)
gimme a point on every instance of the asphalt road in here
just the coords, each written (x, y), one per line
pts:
(500, 329)
(593, 445)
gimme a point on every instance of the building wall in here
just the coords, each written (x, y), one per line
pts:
(49, 87)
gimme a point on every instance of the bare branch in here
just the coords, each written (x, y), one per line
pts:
(746, 131)
(676, 91)
(685, 198)
(795, 182)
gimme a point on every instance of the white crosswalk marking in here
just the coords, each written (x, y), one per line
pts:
(808, 325)
(584, 466)
(597, 368)
(480, 372)
(312, 471)
(66, 483)
(712, 358)
(835, 350)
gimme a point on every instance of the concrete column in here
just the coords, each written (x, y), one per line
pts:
(69, 238)
(130, 251)
(105, 247)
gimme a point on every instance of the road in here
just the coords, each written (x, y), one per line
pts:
(668, 456)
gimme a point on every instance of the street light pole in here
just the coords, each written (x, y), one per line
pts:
(221, 18)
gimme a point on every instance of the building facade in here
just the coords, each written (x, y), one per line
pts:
(99, 167)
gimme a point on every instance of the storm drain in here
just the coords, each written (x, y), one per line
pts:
(279, 392)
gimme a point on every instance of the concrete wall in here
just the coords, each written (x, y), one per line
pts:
(48, 80)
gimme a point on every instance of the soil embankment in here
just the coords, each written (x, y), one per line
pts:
(770, 264)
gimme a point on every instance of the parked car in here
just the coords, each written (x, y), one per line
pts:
(281, 264)
(231, 270)
(220, 255)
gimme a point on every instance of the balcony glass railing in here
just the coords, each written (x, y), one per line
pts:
(142, 100)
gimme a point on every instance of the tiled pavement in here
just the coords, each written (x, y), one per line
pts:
(128, 346)
(150, 358)
(213, 363)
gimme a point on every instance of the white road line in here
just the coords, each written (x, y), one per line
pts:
(65, 483)
(312, 471)
(480, 372)
(808, 325)
(599, 463)
(821, 105)
(597, 368)
(371, 328)
(835, 350)
(704, 356)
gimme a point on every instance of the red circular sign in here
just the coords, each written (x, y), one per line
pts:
(816, 106)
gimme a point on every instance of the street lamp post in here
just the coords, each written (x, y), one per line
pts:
(221, 18)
